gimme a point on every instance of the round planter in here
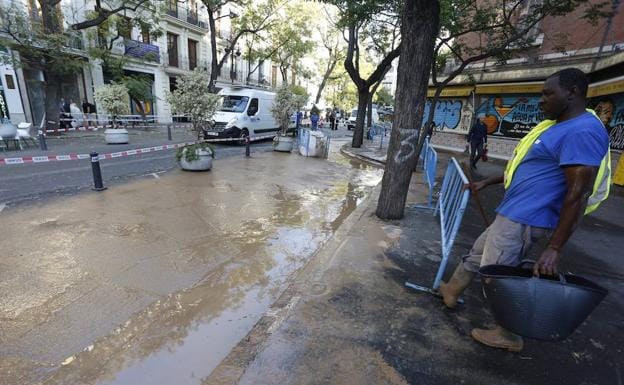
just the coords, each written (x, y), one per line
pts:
(204, 162)
(283, 143)
(116, 136)
(7, 130)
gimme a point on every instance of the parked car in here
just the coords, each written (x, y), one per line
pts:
(244, 112)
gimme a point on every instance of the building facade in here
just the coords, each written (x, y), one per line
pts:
(181, 45)
(508, 94)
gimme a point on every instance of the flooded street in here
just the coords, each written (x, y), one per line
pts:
(154, 282)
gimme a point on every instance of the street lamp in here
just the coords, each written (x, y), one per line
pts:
(231, 15)
(233, 63)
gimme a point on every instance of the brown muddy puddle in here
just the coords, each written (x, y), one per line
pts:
(264, 225)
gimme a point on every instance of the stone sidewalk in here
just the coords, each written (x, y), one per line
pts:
(349, 319)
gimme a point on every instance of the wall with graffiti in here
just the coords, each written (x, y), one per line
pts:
(610, 109)
(453, 115)
(510, 115)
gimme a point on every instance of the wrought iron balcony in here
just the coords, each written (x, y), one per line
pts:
(186, 14)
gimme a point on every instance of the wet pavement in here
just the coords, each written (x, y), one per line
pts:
(349, 319)
(154, 282)
(274, 270)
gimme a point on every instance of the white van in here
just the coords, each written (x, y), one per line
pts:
(243, 112)
(353, 118)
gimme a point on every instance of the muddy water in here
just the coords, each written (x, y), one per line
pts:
(154, 282)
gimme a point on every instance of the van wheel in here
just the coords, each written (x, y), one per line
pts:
(243, 135)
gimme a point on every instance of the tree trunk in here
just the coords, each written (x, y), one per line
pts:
(429, 124)
(328, 72)
(214, 65)
(419, 29)
(358, 131)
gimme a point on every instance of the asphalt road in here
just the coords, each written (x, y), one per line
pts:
(37, 182)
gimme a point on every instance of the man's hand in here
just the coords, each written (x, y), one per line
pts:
(547, 262)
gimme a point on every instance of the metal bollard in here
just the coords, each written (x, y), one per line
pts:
(247, 147)
(97, 173)
(169, 132)
(42, 141)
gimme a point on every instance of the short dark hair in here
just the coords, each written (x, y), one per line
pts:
(571, 77)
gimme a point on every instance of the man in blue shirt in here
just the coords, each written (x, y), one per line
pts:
(547, 195)
(477, 137)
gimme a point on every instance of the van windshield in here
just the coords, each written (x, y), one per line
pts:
(233, 103)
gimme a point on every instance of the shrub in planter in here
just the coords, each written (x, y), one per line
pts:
(195, 157)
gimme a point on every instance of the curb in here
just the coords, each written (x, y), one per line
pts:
(231, 369)
(363, 158)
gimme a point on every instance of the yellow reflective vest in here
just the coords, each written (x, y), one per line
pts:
(603, 179)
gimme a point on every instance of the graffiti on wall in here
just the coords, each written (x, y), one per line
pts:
(450, 114)
(510, 115)
(610, 110)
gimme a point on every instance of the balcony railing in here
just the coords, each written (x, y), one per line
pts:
(141, 50)
(189, 15)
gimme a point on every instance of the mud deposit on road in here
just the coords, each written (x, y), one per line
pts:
(154, 282)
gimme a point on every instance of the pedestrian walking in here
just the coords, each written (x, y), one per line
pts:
(559, 172)
(332, 120)
(314, 118)
(477, 138)
(88, 109)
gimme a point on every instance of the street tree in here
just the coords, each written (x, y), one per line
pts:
(419, 29)
(290, 39)
(384, 97)
(332, 40)
(504, 27)
(374, 30)
(257, 16)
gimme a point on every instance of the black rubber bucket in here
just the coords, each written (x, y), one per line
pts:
(545, 308)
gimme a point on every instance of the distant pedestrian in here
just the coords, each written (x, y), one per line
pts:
(314, 117)
(477, 137)
(88, 109)
(332, 120)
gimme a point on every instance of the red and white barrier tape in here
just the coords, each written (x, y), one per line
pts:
(95, 128)
(112, 155)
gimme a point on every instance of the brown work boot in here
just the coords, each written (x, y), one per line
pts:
(498, 338)
(452, 289)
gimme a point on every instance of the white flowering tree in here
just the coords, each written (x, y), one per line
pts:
(284, 105)
(113, 98)
(192, 97)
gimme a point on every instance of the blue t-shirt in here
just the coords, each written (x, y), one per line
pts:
(538, 187)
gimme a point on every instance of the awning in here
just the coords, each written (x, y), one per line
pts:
(510, 88)
(451, 91)
(609, 88)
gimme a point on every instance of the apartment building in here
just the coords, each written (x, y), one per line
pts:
(182, 44)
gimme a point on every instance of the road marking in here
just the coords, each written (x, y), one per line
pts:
(2, 206)
(155, 175)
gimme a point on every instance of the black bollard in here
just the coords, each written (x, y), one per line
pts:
(169, 132)
(247, 149)
(97, 173)
(42, 141)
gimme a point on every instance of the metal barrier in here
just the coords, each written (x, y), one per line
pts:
(423, 152)
(451, 206)
(303, 138)
(430, 163)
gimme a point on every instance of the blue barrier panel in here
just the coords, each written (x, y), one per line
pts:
(451, 206)
(423, 152)
(430, 164)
